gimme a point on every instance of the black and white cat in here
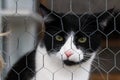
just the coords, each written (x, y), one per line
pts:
(66, 51)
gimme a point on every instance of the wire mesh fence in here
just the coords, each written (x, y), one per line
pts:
(21, 18)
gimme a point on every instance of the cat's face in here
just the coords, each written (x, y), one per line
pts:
(70, 38)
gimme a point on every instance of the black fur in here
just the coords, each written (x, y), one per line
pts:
(24, 69)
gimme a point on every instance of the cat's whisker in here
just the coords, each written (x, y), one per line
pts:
(99, 72)
(97, 57)
(98, 63)
(87, 55)
(102, 58)
(97, 68)
(95, 62)
(103, 65)
(84, 69)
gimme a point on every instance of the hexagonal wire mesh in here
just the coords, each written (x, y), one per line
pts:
(24, 34)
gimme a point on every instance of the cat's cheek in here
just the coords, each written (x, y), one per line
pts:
(56, 56)
(64, 57)
(81, 56)
(59, 56)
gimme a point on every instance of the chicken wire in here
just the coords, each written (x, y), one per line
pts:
(23, 36)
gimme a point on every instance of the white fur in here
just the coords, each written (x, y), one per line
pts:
(52, 67)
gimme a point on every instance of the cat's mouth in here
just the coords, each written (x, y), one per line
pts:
(70, 63)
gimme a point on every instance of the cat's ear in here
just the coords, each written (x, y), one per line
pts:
(45, 13)
(106, 18)
(44, 10)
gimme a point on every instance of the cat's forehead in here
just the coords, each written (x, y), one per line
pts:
(76, 22)
(71, 22)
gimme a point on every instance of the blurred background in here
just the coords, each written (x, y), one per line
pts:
(23, 19)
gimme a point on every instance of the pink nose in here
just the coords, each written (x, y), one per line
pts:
(68, 53)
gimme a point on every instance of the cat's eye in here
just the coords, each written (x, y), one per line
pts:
(82, 40)
(59, 38)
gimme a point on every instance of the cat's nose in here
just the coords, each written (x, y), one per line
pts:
(68, 53)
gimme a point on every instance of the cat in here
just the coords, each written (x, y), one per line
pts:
(67, 50)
